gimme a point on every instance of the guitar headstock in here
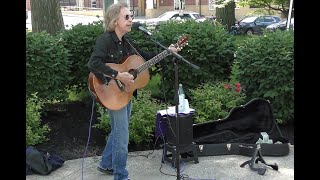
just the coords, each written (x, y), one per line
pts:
(182, 41)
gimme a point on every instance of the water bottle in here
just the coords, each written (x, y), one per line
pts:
(181, 98)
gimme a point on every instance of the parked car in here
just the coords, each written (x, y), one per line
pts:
(171, 15)
(282, 25)
(255, 24)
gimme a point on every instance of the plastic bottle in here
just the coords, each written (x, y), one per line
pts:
(181, 98)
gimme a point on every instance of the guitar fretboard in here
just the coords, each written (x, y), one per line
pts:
(152, 61)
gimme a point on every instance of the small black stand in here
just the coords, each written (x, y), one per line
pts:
(176, 86)
(257, 156)
(184, 151)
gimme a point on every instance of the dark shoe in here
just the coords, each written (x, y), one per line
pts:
(107, 171)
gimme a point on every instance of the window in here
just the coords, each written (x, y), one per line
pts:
(212, 4)
(179, 4)
(93, 3)
(176, 5)
(154, 4)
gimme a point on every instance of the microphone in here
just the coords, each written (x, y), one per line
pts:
(139, 26)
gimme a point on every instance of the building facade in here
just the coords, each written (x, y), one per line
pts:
(154, 8)
(204, 7)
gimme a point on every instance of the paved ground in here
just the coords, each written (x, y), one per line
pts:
(226, 167)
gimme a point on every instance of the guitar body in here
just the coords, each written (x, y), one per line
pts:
(109, 95)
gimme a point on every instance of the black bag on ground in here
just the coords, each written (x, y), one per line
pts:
(41, 162)
(240, 131)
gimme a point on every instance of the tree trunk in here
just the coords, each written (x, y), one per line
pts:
(226, 15)
(46, 16)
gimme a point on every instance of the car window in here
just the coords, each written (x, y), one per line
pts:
(277, 19)
(175, 16)
(260, 20)
(186, 16)
(248, 19)
(269, 19)
(197, 16)
(166, 15)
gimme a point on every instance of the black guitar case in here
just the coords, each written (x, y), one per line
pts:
(240, 131)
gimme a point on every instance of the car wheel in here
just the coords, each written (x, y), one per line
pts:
(249, 32)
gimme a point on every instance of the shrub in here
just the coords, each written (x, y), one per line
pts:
(35, 132)
(76, 94)
(266, 70)
(47, 66)
(80, 40)
(213, 101)
(210, 47)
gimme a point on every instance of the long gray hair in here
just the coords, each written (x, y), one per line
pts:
(112, 15)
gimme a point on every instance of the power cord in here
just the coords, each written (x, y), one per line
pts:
(154, 146)
(89, 133)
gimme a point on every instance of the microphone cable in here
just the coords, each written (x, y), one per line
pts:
(89, 134)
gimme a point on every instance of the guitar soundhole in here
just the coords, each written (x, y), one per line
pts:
(134, 73)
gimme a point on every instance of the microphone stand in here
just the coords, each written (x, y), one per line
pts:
(176, 86)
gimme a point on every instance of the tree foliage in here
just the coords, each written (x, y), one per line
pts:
(269, 5)
(46, 16)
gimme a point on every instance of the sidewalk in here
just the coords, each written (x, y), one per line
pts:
(91, 13)
(226, 167)
(84, 13)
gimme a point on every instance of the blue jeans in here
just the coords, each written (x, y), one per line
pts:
(115, 153)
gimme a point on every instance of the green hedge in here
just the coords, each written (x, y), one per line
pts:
(213, 101)
(266, 70)
(35, 131)
(80, 41)
(210, 47)
(47, 66)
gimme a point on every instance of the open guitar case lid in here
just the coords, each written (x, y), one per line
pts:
(240, 131)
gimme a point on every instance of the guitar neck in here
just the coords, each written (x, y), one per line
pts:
(152, 61)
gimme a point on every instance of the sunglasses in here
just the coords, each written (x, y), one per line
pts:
(128, 16)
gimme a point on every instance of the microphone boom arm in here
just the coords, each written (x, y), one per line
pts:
(175, 54)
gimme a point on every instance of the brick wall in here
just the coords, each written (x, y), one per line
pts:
(166, 3)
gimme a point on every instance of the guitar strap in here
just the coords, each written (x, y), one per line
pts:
(119, 84)
(134, 48)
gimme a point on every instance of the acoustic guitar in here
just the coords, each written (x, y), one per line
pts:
(115, 95)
